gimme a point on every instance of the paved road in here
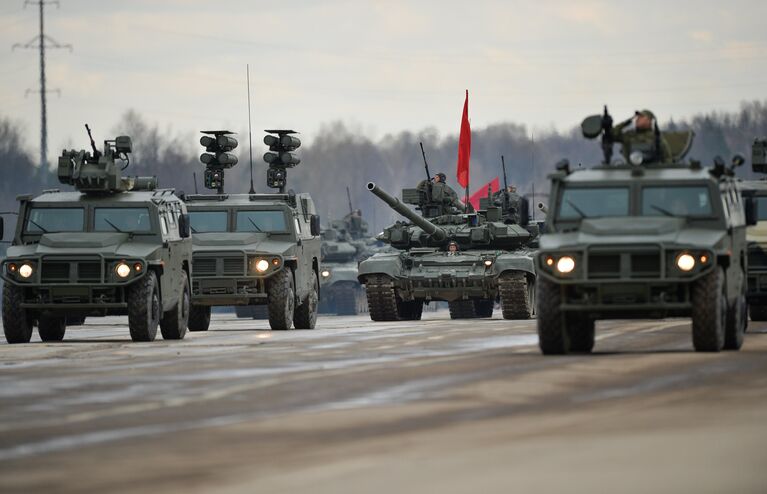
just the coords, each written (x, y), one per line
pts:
(436, 406)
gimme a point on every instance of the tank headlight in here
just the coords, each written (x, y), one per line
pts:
(325, 273)
(262, 265)
(488, 262)
(636, 158)
(565, 264)
(122, 270)
(685, 262)
(25, 270)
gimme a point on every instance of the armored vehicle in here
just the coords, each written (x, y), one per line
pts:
(115, 246)
(469, 260)
(255, 249)
(756, 235)
(651, 239)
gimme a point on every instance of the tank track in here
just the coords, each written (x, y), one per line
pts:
(382, 299)
(515, 297)
(462, 309)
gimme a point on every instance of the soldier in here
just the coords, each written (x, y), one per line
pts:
(642, 138)
(452, 248)
(510, 202)
(355, 225)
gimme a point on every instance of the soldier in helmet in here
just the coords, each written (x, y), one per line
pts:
(452, 248)
(510, 203)
(642, 138)
(441, 192)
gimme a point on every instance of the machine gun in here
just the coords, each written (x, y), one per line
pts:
(595, 125)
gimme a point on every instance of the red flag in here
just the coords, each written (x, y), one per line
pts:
(495, 185)
(464, 146)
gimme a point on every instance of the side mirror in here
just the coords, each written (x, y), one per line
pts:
(184, 227)
(752, 213)
(314, 225)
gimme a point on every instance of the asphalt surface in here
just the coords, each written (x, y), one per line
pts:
(354, 406)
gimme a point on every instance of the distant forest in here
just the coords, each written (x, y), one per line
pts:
(338, 157)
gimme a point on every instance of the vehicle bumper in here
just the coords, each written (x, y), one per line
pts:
(447, 287)
(229, 291)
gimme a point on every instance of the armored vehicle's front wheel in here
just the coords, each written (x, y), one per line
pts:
(758, 312)
(282, 300)
(17, 323)
(199, 317)
(517, 295)
(174, 322)
(461, 309)
(306, 314)
(51, 328)
(580, 334)
(382, 299)
(552, 337)
(709, 312)
(410, 310)
(144, 308)
(484, 308)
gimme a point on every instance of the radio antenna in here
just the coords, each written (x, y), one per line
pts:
(250, 133)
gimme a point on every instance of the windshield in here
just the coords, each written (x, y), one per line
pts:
(49, 220)
(207, 221)
(261, 221)
(133, 220)
(676, 201)
(593, 202)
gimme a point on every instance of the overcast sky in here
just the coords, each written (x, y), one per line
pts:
(380, 66)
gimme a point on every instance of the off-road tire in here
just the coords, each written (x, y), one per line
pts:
(305, 316)
(552, 335)
(144, 308)
(757, 312)
(484, 307)
(347, 299)
(462, 309)
(199, 318)
(282, 300)
(737, 318)
(709, 312)
(174, 323)
(580, 334)
(410, 310)
(382, 299)
(17, 323)
(517, 296)
(51, 328)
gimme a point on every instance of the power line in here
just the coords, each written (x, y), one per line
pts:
(42, 42)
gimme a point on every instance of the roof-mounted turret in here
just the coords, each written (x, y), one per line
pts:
(98, 172)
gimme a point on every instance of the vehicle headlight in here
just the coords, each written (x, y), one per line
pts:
(636, 158)
(685, 262)
(488, 262)
(262, 265)
(565, 264)
(25, 270)
(325, 273)
(122, 270)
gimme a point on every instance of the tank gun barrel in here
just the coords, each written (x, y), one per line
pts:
(543, 208)
(430, 228)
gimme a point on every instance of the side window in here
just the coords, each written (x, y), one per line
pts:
(163, 225)
(298, 225)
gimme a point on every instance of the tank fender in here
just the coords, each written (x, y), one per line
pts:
(388, 264)
(506, 263)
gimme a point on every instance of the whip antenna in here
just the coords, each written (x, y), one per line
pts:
(250, 134)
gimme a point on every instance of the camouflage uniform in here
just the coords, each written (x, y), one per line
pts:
(641, 140)
(511, 206)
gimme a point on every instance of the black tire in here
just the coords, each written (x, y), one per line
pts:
(282, 300)
(382, 298)
(517, 295)
(174, 323)
(484, 307)
(580, 334)
(17, 322)
(305, 316)
(51, 328)
(199, 317)
(709, 312)
(462, 309)
(144, 308)
(737, 318)
(552, 336)
(758, 312)
(347, 299)
(410, 310)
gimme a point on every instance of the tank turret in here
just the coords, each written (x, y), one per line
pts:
(427, 226)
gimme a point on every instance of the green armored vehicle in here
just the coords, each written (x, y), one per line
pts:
(469, 260)
(653, 238)
(115, 246)
(756, 235)
(254, 249)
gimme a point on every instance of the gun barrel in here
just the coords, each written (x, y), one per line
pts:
(543, 207)
(430, 228)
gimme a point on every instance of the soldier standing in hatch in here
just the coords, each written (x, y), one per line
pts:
(509, 201)
(642, 138)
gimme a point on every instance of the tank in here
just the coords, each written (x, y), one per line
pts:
(469, 260)
(754, 193)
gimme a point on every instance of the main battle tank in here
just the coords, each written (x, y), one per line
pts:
(470, 260)
(342, 292)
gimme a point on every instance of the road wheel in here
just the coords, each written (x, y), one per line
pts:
(282, 300)
(484, 307)
(382, 299)
(199, 317)
(737, 318)
(144, 308)
(174, 322)
(552, 336)
(306, 314)
(17, 323)
(410, 310)
(51, 328)
(517, 295)
(580, 334)
(347, 300)
(709, 312)
(758, 312)
(462, 309)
